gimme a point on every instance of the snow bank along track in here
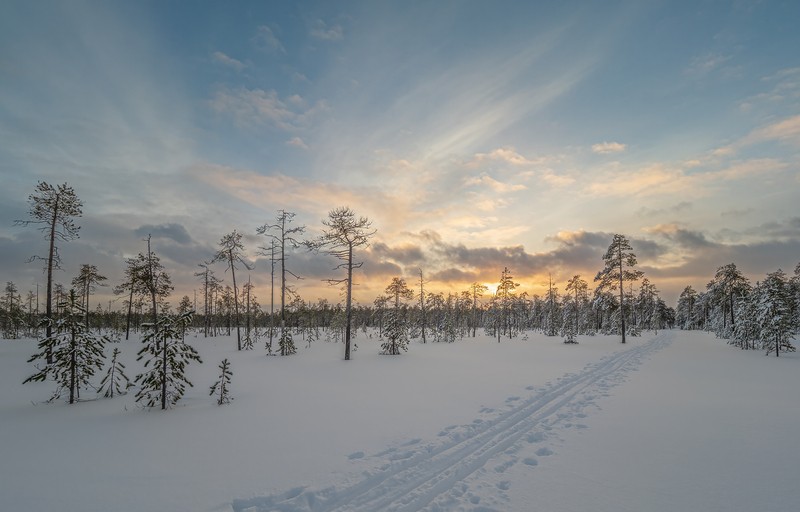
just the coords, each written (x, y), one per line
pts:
(453, 472)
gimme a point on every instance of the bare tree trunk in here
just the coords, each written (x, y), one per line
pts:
(349, 303)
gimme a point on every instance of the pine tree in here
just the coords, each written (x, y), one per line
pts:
(686, 308)
(396, 330)
(167, 357)
(620, 261)
(115, 380)
(85, 281)
(54, 209)
(505, 299)
(284, 237)
(343, 234)
(223, 384)
(12, 315)
(728, 286)
(231, 252)
(76, 353)
(775, 313)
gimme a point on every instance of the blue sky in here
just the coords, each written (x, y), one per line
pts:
(476, 135)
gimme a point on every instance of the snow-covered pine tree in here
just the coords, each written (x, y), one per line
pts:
(76, 353)
(619, 260)
(223, 384)
(115, 380)
(747, 331)
(167, 357)
(396, 330)
(775, 313)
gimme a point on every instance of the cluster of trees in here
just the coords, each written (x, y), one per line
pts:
(623, 302)
(763, 316)
(612, 308)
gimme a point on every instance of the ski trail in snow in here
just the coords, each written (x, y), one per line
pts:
(445, 474)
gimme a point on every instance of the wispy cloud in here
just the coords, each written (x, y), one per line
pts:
(323, 31)
(265, 39)
(252, 107)
(786, 130)
(491, 183)
(297, 142)
(225, 60)
(605, 148)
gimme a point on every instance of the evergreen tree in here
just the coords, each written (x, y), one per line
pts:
(685, 312)
(505, 300)
(11, 313)
(115, 380)
(284, 237)
(728, 286)
(343, 234)
(167, 357)
(76, 353)
(54, 210)
(476, 291)
(231, 252)
(85, 281)
(775, 313)
(553, 319)
(396, 326)
(223, 384)
(619, 260)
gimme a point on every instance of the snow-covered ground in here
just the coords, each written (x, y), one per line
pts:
(677, 421)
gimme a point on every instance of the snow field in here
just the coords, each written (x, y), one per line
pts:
(475, 425)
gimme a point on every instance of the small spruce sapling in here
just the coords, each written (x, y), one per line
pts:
(115, 380)
(222, 387)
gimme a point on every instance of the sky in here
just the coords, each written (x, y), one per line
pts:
(474, 135)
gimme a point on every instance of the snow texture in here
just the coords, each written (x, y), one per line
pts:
(677, 421)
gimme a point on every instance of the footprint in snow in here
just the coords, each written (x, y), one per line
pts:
(356, 455)
(504, 485)
(529, 388)
(544, 451)
(512, 399)
(537, 437)
(530, 461)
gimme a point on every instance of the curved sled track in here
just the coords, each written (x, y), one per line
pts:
(435, 476)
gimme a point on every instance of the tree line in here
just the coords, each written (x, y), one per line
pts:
(761, 316)
(623, 302)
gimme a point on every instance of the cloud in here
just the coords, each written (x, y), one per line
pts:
(681, 207)
(225, 60)
(297, 142)
(265, 39)
(491, 183)
(684, 238)
(505, 154)
(253, 107)
(706, 63)
(605, 148)
(322, 31)
(171, 231)
(786, 131)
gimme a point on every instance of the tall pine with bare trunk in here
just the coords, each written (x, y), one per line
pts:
(342, 235)
(54, 210)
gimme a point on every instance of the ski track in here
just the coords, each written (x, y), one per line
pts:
(450, 473)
